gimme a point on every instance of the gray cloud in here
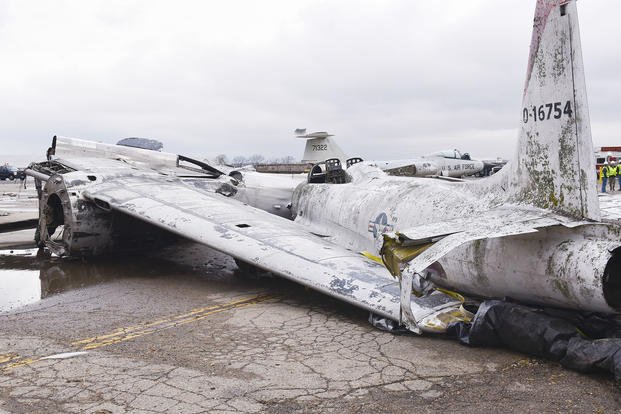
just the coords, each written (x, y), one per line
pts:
(389, 78)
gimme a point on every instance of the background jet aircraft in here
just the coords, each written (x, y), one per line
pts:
(450, 163)
(533, 232)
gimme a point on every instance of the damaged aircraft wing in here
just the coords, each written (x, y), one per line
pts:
(92, 185)
(268, 242)
(193, 206)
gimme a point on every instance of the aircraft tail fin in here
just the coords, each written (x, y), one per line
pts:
(320, 147)
(554, 167)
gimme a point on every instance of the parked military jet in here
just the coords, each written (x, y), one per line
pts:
(533, 231)
(449, 163)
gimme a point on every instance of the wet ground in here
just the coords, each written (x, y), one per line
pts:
(181, 330)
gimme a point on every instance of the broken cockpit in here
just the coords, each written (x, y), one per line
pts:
(331, 171)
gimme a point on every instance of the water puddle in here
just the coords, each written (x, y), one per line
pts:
(19, 288)
(19, 284)
(29, 275)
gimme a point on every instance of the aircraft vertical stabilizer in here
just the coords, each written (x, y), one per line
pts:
(554, 167)
(319, 147)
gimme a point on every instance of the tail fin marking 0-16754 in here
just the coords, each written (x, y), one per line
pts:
(554, 166)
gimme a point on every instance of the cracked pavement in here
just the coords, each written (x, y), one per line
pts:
(292, 351)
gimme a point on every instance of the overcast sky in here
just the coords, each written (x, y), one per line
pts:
(391, 79)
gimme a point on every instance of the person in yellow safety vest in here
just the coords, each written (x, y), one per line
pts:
(612, 175)
(603, 176)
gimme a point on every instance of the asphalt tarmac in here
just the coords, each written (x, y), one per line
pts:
(181, 330)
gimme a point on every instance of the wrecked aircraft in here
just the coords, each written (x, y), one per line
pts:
(398, 247)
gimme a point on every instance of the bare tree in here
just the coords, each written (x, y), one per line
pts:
(221, 159)
(256, 159)
(239, 161)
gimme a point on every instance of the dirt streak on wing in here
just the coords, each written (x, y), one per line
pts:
(12, 360)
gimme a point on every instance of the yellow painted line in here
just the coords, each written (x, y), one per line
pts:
(164, 323)
(8, 357)
(21, 362)
(13, 360)
(171, 322)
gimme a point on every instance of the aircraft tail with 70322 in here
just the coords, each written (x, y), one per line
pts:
(320, 147)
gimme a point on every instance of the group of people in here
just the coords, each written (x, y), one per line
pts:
(608, 174)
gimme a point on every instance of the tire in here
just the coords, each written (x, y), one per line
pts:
(11, 177)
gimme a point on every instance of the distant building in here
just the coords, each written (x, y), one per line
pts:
(292, 168)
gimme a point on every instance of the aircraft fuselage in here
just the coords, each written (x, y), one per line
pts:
(557, 265)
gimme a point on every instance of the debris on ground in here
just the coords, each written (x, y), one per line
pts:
(384, 324)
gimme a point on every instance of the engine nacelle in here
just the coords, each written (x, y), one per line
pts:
(73, 225)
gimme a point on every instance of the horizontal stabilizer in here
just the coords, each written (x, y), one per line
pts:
(503, 221)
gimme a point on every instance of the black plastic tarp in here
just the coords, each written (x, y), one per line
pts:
(586, 343)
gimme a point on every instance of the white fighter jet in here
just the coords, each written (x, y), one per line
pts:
(449, 163)
(533, 231)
